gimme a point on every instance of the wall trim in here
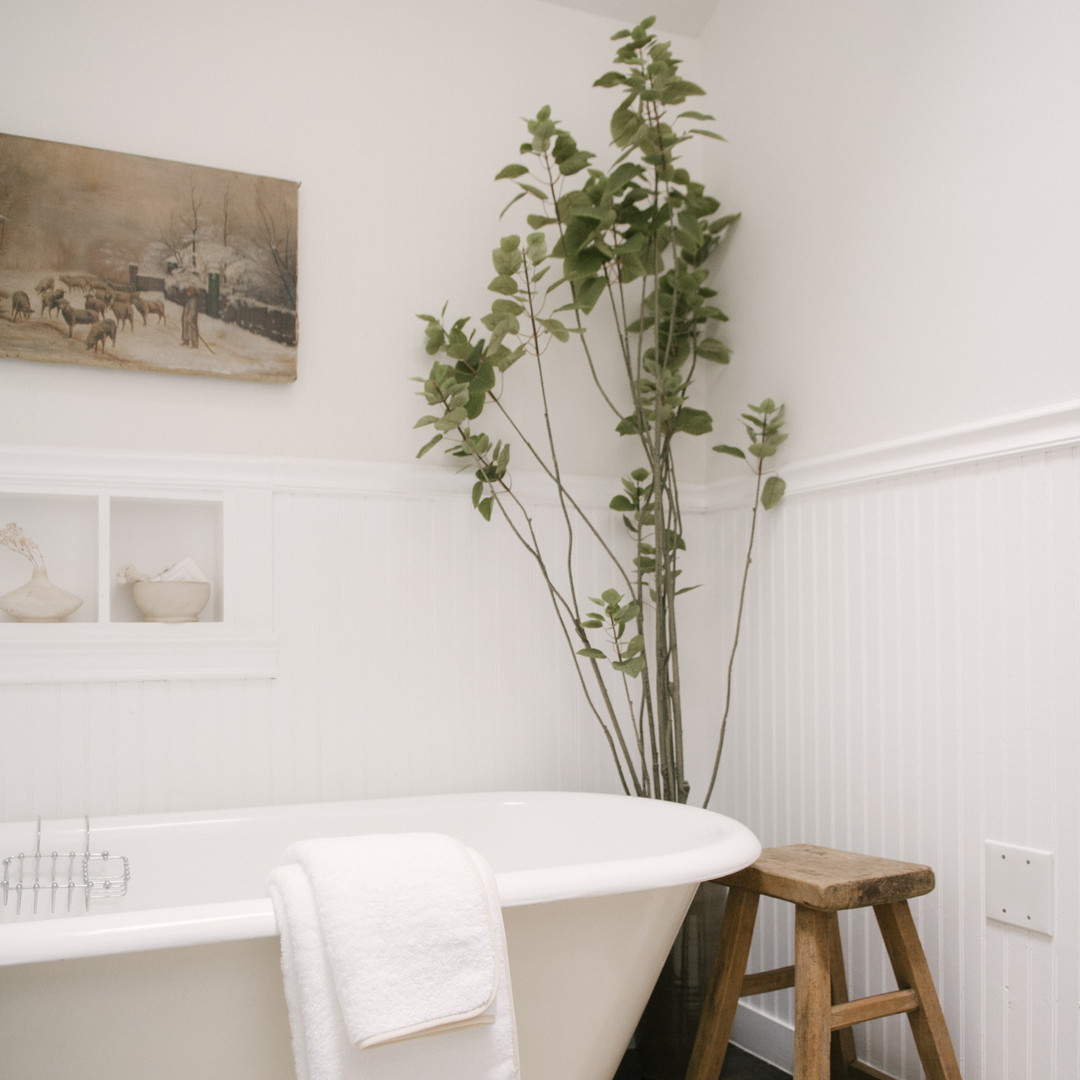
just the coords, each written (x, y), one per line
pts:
(90, 652)
(1034, 430)
(1019, 433)
(22, 468)
(764, 1036)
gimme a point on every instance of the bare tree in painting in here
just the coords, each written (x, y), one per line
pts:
(278, 241)
(172, 242)
(193, 221)
(10, 188)
(225, 214)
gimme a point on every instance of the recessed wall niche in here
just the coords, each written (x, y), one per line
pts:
(91, 517)
(65, 528)
(152, 534)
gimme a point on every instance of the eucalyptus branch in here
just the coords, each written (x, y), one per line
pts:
(763, 425)
(643, 219)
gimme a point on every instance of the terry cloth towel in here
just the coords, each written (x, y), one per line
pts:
(389, 937)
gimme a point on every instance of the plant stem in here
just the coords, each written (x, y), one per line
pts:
(738, 627)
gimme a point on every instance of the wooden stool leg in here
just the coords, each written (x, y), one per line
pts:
(843, 1041)
(813, 993)
(725, 984)
(912, 973)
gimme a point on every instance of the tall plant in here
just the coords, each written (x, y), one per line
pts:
(632, 241)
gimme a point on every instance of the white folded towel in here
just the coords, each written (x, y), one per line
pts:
(388, 937)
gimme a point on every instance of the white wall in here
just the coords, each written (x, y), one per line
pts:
(905, 278)
(394, 117)
(908, 176)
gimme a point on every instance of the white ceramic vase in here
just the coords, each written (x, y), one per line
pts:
(39, 600)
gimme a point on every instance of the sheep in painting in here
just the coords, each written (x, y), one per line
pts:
(20, 305)
(98, 332)
(123, 314)
(44, 285)
(75, 316)
(150, 307)
(50, 301)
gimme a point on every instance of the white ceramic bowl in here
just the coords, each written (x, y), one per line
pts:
(170, 601)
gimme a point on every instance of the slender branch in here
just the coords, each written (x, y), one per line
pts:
(577, 311)
(738, 628)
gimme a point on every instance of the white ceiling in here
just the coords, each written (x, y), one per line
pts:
(674, 16)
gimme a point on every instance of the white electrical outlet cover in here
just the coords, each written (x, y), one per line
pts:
(1020, 886)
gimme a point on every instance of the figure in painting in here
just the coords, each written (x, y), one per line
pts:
(189, 318)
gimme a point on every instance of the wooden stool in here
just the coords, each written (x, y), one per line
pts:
(820, 882)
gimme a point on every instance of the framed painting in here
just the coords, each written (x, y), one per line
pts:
(122, 261)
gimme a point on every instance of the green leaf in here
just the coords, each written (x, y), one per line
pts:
(533, 190)
(428, 445)
(584, 263)
(519, 195)
(772, 492)
(484, 379)
(592, 654)
(484, 506)
(734, 451)
(622, 503)
(632, 667)
(716, 351)
(588, 292)
(503, 284)
(624, 126)
(510, 171)
(555, 329)
(610, 78)
(628, 425)
(693, 421)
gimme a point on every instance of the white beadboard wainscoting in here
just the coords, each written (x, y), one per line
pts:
(907, 686)
(415, 652)
(912, 689)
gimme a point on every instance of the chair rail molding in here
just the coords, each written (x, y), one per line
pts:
(1018, 433)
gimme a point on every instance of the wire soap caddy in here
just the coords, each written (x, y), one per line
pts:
(55, 880)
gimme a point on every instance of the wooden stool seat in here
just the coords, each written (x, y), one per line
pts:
(819, 882)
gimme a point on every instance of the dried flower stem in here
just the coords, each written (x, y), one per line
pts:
(12, 536)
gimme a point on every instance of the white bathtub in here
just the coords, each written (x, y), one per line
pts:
(179, 979)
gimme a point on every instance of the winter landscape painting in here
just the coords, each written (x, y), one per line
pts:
(131, 262)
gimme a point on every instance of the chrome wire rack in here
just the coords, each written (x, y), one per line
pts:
(55, 881)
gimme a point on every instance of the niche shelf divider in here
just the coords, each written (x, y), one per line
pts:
(104, 533)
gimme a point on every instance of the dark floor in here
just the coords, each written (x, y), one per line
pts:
(738, 1065)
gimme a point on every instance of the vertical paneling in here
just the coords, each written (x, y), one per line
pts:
(907, 684)
(417, 654)
(912, 690)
